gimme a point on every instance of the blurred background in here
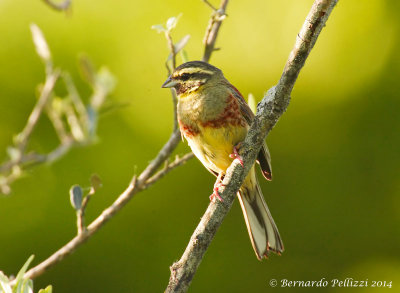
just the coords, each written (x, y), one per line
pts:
(335, 152)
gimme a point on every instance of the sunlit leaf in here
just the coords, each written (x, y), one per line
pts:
(95, 182)
(179, 46)
(19, 279)
(184, 56)
(87, 69)
(57, 104)
(40, 43)
(182, 43)
(106, 79)
(5, 286)
(48, 289)
(159, 28)
(172, 22)
(27, 286)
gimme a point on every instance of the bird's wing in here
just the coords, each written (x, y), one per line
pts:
(212, 171)
(263, 158)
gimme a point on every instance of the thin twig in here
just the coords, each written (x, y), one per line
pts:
(269, 111)
(32, 159)
(178, 162)
(210, 5)
(80, 215)
(14, 165)
(164, 154)
(76, 100)
(59, 6)
(58, 124)
(171, 48)
(147, 178)
(142, 182)
(75, 126)
(81, 129)
(212, 30)
(33, 119)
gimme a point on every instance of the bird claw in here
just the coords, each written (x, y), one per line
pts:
(235, 154)
(215, 194)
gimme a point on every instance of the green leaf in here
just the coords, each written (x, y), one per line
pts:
(105, 79)
(95, 182)
(87, 69)
(93, 118)
(27, 286)
(57, 104)
(40, 43)
(5, 286)
(184, 56)
(76, 195)
(181, 44)
(159, 28)
(49, 289)
(252, 103)
(19, 279)
(172, 22)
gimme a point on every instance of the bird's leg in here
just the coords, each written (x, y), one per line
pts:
(235, 153)
(217, 185)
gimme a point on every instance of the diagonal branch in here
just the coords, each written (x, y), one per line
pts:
(269, 111)
(144, 181)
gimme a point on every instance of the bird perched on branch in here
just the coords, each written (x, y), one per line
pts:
(214, 118)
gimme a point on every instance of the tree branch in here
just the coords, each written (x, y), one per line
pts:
(213, 28)
(70, 118)
(142, 182)
(171, 47)
(147, 178)
(23, 137)
(269, 111)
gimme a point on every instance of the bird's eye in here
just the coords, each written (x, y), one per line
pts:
(185, 76)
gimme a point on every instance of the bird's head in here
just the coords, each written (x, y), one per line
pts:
(191, 76)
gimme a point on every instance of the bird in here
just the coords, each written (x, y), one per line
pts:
(214, 119)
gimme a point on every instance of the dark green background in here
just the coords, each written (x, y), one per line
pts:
(335, 153)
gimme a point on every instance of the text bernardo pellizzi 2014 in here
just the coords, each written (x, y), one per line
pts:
(344, 283)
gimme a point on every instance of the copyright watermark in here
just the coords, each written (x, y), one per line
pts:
(343, 283)
(273, 283)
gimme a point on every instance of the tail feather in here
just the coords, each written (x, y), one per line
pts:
(264, 234)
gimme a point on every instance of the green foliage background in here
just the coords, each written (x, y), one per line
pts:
(336, 187)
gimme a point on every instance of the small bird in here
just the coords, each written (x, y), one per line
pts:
(214, 118)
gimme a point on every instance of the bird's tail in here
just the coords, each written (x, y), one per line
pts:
(264, 234)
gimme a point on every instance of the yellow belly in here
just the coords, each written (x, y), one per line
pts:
(212, 146)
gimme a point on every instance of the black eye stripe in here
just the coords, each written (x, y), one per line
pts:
(196, 76)
(184, 76)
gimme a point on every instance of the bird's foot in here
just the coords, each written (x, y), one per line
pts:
(215, 194)
(235, 154)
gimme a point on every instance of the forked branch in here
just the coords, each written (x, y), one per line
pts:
(148, 177)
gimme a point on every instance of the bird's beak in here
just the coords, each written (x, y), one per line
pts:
(169, 83)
